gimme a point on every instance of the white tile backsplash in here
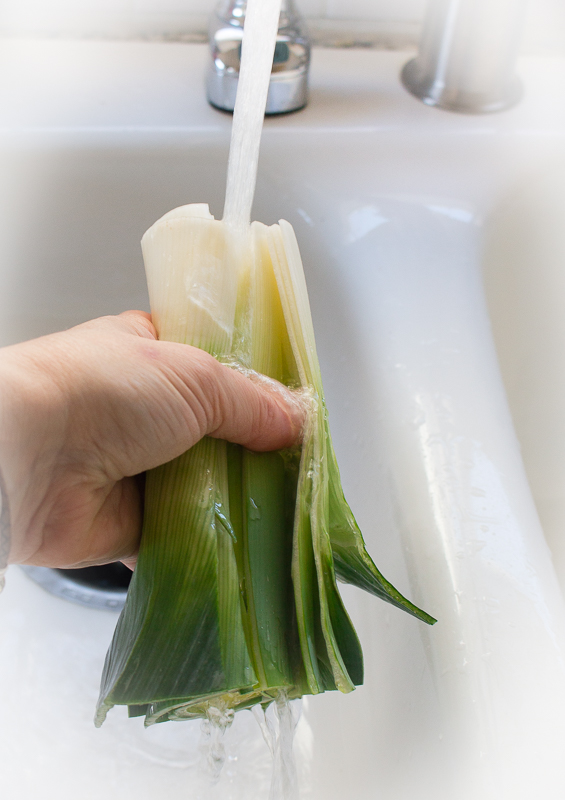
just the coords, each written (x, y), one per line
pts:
(398, 11)
(389, 23)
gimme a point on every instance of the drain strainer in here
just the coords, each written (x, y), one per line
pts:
(102, 587)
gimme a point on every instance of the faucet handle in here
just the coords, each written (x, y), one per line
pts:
(288, 89)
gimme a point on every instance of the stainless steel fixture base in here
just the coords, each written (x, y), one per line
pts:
(433, 93)
(286, 93)
(62, 586)
(288, 88)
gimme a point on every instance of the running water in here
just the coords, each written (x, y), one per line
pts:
(212, 747)
(279, 722)
(278, 725)
(258, 47)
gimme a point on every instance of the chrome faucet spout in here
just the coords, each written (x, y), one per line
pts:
(288, 89)
(467, 55)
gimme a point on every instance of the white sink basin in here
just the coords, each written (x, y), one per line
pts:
(394, 205)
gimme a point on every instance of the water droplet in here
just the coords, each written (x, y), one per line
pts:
(205, 498)
(223, 520)
(254, 510)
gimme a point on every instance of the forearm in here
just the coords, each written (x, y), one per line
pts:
(5, 525)
(5, 537)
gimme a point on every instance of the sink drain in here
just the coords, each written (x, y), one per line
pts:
(96, 587)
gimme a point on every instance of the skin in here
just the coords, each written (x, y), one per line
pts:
(85, 411)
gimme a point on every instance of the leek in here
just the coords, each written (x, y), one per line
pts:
(234, 597)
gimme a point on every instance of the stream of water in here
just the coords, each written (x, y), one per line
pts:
(258, 47)
(278, 725)
(280, 721)
(212, 746)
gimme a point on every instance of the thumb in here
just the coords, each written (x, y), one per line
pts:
(256, 411)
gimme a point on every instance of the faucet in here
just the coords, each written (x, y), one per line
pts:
(288, 89)
(467, 55)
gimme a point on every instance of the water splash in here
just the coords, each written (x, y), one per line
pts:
(212, 731)
(278, 725)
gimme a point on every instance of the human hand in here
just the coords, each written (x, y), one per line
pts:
(84, 411)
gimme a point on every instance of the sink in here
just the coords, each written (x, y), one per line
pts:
(523, 272)
(430, 372)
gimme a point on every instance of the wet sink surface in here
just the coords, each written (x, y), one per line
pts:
(397, 209)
